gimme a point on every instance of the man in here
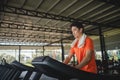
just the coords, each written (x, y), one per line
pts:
(83, 48)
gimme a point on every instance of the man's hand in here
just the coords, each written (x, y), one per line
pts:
(77, 67)
(68, 58)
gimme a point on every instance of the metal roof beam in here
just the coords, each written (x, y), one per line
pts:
(23, 3)
(53, 5)
(19, 11)
(32, 13)
(13, 10)
(40, 2)
(113, 2)
(34, 28)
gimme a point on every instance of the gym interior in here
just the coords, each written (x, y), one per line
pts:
(32, 29)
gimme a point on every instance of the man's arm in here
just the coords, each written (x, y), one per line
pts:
(68, 58)
(85, 60)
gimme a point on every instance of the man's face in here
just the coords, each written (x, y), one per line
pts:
(76, 32)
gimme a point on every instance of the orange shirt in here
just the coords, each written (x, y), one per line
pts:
(81, 52)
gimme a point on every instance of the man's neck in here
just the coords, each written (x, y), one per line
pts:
(80, 36)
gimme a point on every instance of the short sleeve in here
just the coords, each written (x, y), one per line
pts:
(89, 44)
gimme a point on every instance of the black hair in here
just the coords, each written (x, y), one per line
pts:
(77, 24)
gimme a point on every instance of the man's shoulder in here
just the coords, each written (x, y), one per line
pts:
(88, 38)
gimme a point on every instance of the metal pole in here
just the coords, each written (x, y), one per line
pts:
(1, 5)
(62, 48)
(43, 50)
(74, 63)
(19, 52)
(1, 9)
(103, 51)
(101, 42)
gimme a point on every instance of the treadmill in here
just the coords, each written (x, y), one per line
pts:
(56, 69)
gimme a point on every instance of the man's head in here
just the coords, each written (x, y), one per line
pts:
(77, 29)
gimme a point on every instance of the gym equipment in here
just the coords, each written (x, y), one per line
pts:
(56, 69)
(26, 72)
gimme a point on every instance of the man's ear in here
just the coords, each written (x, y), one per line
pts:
(81, 30)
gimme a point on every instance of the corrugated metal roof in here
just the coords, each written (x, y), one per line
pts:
(47, 21)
